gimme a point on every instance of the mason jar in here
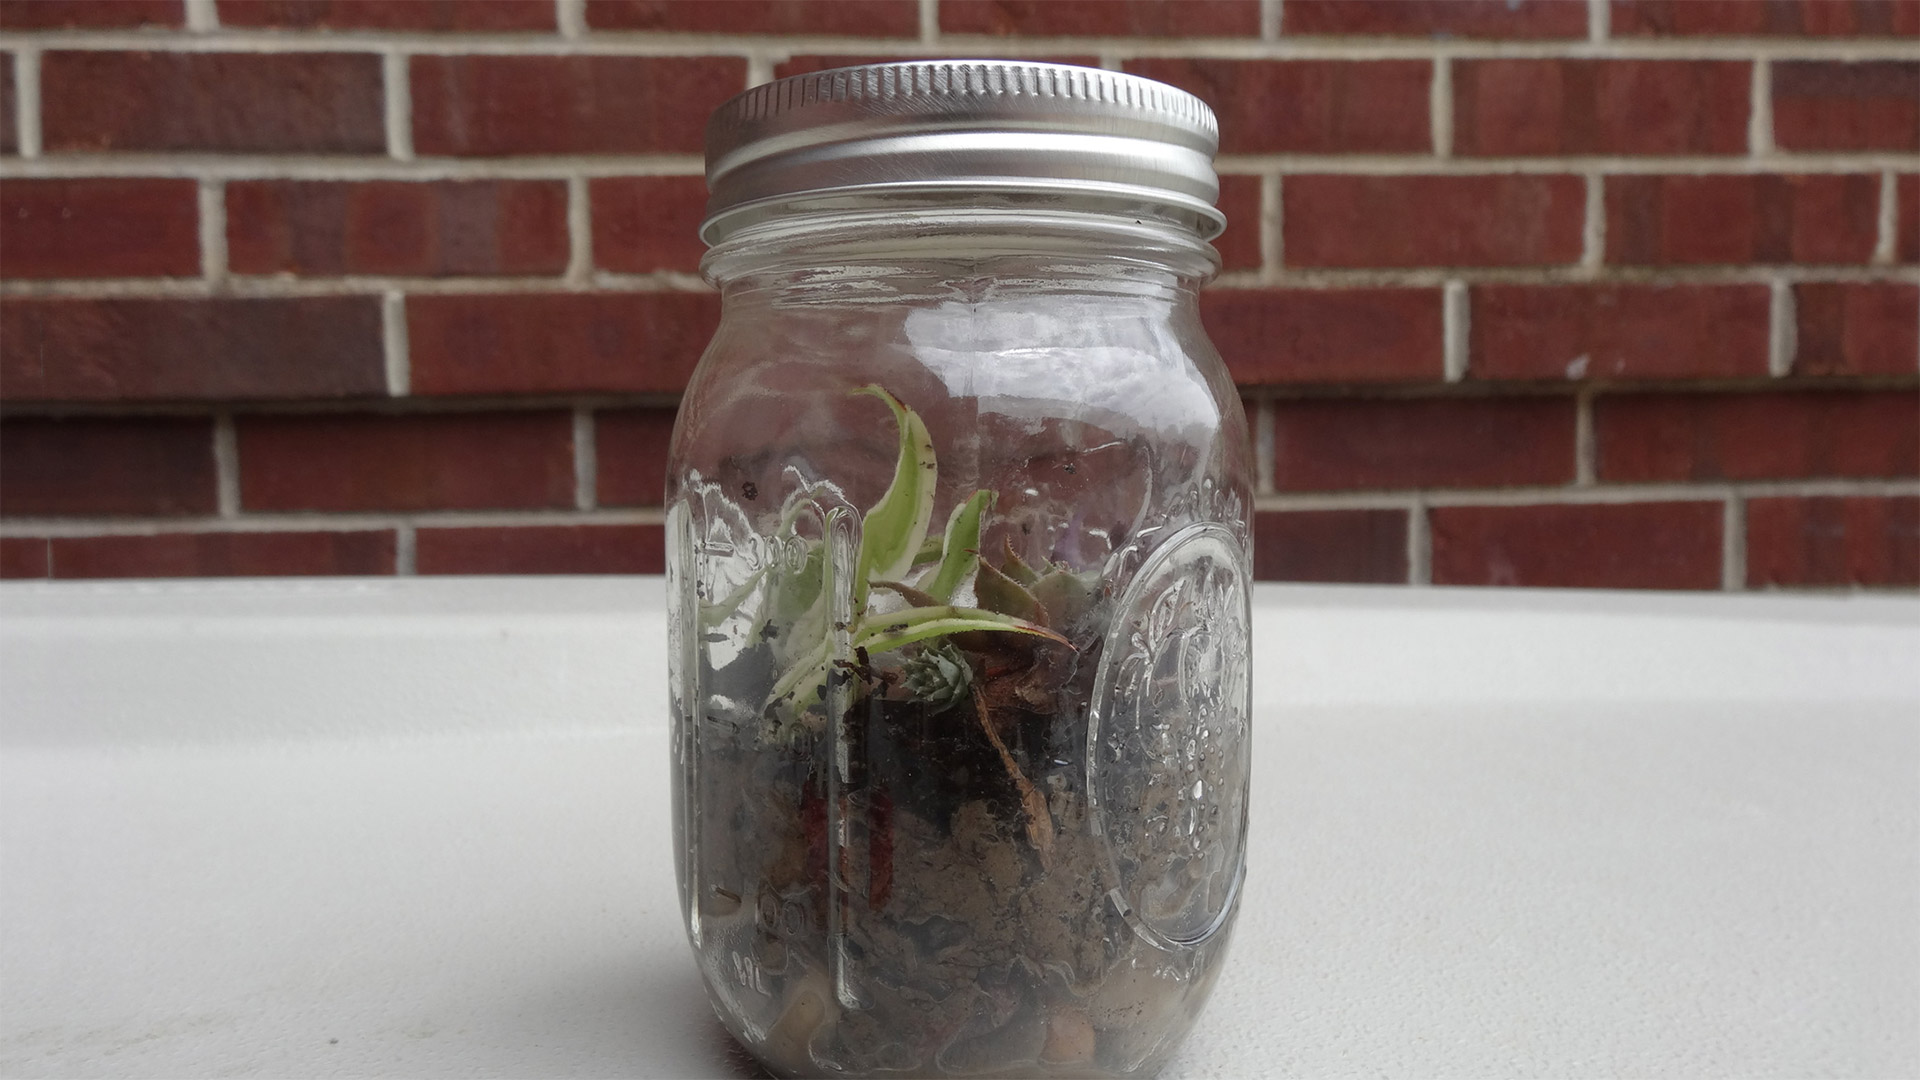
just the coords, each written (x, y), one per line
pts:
(958, 573)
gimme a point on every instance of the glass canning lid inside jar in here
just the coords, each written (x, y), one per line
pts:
(957, 521)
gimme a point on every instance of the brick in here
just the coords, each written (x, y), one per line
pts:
(191, 349)
(417, 15)
(99, 228)
(1765, 436)
(1831, 105)
(630, 455)
(90, 14)
(1308, 106)
(1101, 18)
(1366, 221)
(1669, 545)
(106, 465)
(1617, 331)
(1833, 540)
(323, 103)
(553, 343)
(1239, 246)
(544, 549)
(23, 557)
(447, 461)
(224, 554)
(1906, 243)
(646, 223)
(394, 227)
(1436, 18)
(503, 105)
(809, 63)
(1334, 445)
(1326, 335)
(1353, 546)
(1745, 18)
(9, 135)
(1671, 220)
(1530, 107)
(1870, 328)
(844, 18)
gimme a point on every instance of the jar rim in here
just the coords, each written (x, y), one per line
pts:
(991, 127)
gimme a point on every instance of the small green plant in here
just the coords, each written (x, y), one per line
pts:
(894, 540)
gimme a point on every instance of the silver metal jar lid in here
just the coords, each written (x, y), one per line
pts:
(960, 127)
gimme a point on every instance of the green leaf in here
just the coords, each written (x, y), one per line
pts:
(962, 545)
(892, 532)
(712, 615)
(804, 680)
(1065, 595)
(921, 623)
(1012, 565)
(998, 592)
(910, 594)
(929, 552)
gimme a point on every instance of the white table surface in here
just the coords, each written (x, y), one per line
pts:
(419, 828)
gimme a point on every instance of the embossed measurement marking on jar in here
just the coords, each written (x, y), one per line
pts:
(755, 550)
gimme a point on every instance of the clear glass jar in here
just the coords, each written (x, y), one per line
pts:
(958, 554)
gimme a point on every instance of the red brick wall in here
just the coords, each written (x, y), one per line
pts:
(1545, 292)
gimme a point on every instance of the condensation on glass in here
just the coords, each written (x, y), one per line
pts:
(958, 557)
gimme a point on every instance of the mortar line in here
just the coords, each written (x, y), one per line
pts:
(382, 406)
(322, 521)
(203, 16)
(381, 167)
(1593, 232)
(212, 196)
(651, 43)
(1696, 164)
(1419, 543)
(399, 105)
(1760, 109)
(1440, 107)
(664, 281)
(1599, 21)
(393, 343)
(384, 166)
(317, 521)
(1733, 543)
(1273, 238)
(1887, 230)
(1265, 445)
(1611, 494)
(1272, 16)
(226, 465)
(586, 460)
(680, 282)
(929, 28)
(760, 68)
(26, 102)
(1455, 316)
(579, 232)
(570, 16)
(1278, 394)
(1585, 448)
(1782, 330)
(406, 550)
(1563, 274)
